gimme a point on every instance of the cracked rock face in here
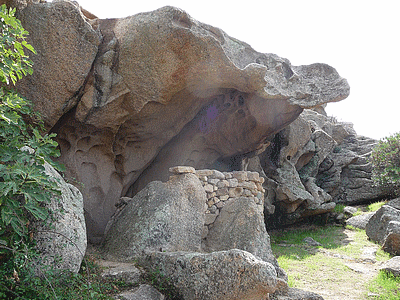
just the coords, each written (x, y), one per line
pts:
(66, 46)
(312, 164)
(131, 97)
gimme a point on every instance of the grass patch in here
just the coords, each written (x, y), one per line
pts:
(328, 236)
(327, 269)
(386, 286)
(375, 206)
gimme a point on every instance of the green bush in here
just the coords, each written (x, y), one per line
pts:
(385, 159)
(24, 185)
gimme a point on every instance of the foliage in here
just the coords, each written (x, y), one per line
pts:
(13, 63)
(24, 185)
(87, 284)
(339, 208)
(385, 159)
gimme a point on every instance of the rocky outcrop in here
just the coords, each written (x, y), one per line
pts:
(61, 240)
(384, 227)
(295, 294)
(131, 97)
(162, 228)
(241, 226)
(312, 164)
(228, 275)
(291, 164)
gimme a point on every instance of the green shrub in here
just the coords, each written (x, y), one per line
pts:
(339, 208)
(24, 185)
(385, 159)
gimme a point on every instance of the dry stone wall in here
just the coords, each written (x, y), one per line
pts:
(222, 187)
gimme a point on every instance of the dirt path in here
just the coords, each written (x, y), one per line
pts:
(361, 270)
(341, 271)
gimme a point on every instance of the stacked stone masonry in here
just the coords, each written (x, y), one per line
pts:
(222, 187)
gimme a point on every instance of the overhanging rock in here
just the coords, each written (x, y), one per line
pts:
(160, 89)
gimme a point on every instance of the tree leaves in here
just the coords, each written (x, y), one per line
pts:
(25, 188)
(14, 63)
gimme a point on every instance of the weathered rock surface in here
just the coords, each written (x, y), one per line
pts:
(392, 266)
(291, 163)
(62, 239)
(314, 163)
(162, 217)
(119, 271)
(384, 227)
(240, 225)
(143, 292)
(349, 210)
(360, 221)
(228, 275)
(66, 46)
(131, 97)
(295, 294)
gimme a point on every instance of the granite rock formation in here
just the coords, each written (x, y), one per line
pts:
(162, 228)
(131, 97)
(311, 165)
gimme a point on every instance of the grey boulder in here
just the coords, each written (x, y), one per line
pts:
(240, 225)
(392, 266)
(360, 221)
(62, 240)
(162, 217)
(295, 294)
(143, 292)
(228, 275)
(384, 227)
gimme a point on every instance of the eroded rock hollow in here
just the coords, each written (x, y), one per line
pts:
(131, 97)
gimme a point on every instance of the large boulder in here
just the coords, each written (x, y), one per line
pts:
(360, 221)
(229, 275)
(62, 240)
(295, 294)
(162, 217)
(240, 225)
(392, 266)
(143, 292)
(384, 227)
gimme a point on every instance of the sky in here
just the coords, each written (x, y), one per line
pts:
(359, 38)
